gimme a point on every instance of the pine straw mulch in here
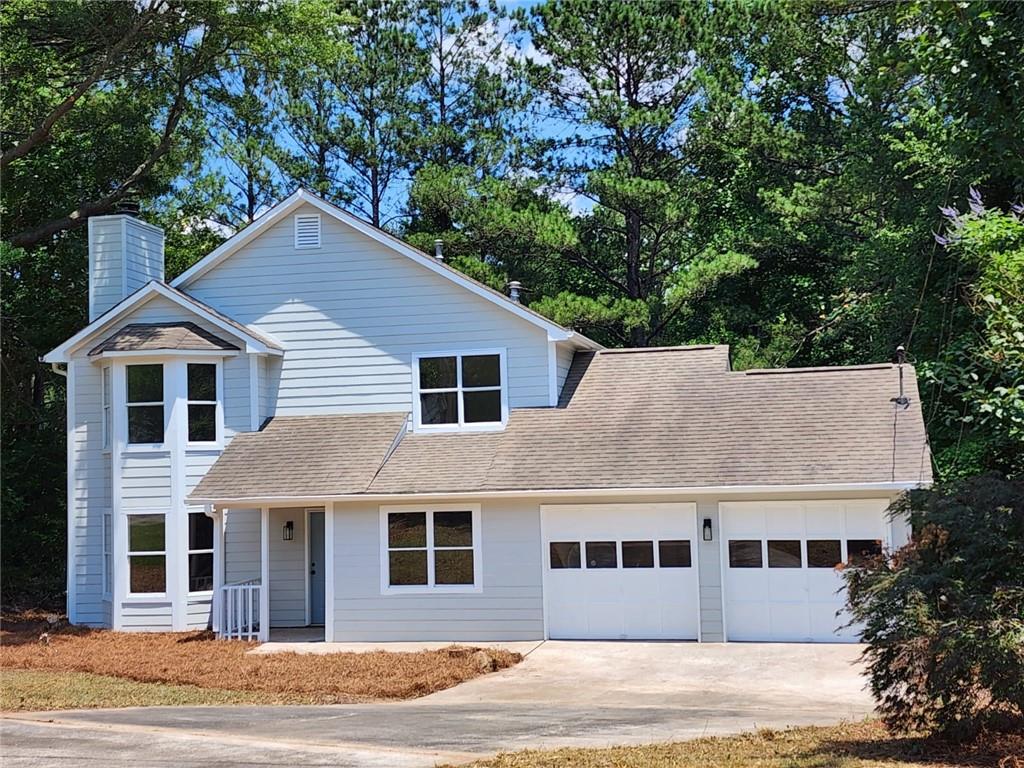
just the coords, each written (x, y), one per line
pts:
(29, 641)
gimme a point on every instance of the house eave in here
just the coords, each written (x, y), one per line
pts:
(706, 490)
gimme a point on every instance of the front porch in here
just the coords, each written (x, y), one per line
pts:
(270, 574)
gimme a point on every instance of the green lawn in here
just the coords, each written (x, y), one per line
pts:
(30, 689)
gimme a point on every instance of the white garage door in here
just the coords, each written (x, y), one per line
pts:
(779, 562)
(621, 571)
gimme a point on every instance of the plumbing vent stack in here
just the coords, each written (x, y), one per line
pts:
(439, 250)
(514, 289)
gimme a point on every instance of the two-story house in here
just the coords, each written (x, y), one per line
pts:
(320, 425)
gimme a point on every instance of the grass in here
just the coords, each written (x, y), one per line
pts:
(36, 690)
(87, 665)
(856, 745)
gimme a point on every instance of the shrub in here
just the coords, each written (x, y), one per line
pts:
(943, 616)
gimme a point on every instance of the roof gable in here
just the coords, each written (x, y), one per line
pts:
(301, 197)
(255, 342)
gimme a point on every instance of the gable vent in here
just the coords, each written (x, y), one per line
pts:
(307, 230)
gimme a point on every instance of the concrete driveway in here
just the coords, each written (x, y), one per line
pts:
(563, 694)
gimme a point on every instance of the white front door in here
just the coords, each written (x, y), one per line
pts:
(781, 561)
(621, 571)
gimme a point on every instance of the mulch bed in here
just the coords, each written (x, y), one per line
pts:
(29, 641)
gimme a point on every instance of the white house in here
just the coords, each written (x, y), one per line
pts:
(319, 425)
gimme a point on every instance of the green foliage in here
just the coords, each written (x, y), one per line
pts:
(943, 617)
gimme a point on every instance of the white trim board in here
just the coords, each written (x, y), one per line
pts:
(305, 197)
(722, 490)
(61, 354)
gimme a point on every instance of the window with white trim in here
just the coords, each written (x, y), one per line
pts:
(200, 552)
(147, 554)
(108, 422)
(307, 230)
(460, 390)
(145, 402)
(108, 554)
(202, 402)
(431, 549)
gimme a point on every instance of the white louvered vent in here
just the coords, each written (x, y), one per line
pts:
(307, 230)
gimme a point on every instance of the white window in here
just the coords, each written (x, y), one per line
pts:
(202, 402)
(200, 552)
(108, 423)
(147, 555)
(430, 549)
(145, 401)
(307, 230)
(460, 390)
(108, 557)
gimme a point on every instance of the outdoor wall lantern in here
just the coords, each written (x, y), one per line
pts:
(707, 529)
(288, 533)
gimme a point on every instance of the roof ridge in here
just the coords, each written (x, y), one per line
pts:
(819, 369)
(681, 348)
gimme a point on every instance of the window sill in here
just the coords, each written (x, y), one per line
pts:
(201, 595)
(467, 589)
(200, 447)
(146, 597)
(490, 426)
(142, 449)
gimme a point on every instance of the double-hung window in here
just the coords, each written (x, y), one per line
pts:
(431, 548)
(200, 552)
(106, 394)
(145, 401)
(202, 402)
(147, 554)
(108, 554)
(460, 390)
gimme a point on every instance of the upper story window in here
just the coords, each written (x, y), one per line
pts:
(202, 402)
(461, 390)
(145, 401)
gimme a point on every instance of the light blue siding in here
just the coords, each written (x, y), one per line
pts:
(509, 607)
(352, 313)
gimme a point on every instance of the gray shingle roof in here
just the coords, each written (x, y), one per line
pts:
(303, 456)
(668, 418)
(143, 336)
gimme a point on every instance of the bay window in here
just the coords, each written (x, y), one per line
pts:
(202, 402)
(145, 401)
(431, 549)
(147, 554)
(200, 552)
(464, 389)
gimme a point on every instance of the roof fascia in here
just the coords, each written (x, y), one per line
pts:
(722, 490)
(151, 289)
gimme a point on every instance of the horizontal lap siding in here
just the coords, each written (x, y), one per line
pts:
(146, 617)
(508, 608)
(241, 545)
(287, 569)
(90, 496)
(563, 361)
(351, 315)
(198, 612)
(105, 285)
(144, 258)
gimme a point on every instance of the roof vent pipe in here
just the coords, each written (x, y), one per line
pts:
(127, 207)
(439, 249)
(514, 289)
(901, 358)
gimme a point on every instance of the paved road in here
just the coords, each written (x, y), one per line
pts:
(580, 694)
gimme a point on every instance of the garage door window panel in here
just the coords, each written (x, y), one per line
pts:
(431, 550)
(860, 551)
(602, 554)
(745, 553)
(638, 554)
(824, 553)
(564, 554)
(784, 553)
(674, 554)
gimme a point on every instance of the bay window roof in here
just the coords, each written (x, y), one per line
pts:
(139, 337)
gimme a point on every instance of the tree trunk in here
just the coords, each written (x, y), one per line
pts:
(634, 284)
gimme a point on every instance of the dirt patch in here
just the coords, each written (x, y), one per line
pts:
(199, 659)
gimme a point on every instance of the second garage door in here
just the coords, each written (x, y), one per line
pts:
(621, 571)
(781, 566)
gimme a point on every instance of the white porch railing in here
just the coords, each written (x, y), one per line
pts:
(240, 611)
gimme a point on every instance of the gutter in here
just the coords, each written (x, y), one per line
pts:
(720, 490)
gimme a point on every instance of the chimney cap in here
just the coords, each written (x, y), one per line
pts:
(128, 206)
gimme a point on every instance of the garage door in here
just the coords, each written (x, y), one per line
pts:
(780, 566)
(621, 571)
